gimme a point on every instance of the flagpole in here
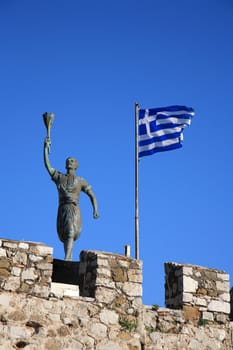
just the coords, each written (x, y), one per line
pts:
(136, 184)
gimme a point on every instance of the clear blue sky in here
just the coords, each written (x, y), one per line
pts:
(89, 62)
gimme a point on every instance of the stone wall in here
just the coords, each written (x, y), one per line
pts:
(25, 267)
(104, 311)
(202, 293)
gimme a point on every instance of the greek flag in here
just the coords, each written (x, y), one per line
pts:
(161, 129)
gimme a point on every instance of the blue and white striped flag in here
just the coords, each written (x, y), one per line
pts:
(161, 129)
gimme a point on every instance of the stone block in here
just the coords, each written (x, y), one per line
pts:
(222, 318)
(2, 252)
(29, 274)
(41, 250)
(132, 289)
(35, 258)
(19, 332)
(104, 271)
(223, 276)
(209, 274)
(225, 297)
(199, 301)
(12, 283)
(189, 285)
(4, 274)
(107, 345)
(44, 266)
(135, 276)
(12, 245)
(104, 295)
(223, 286)
(5, 300)
(207, 316)
(104, 282)
(4, 264)
(119, 274)
(191, 313)
(187, 270)
(40, 290)
(16, 271)
(62, 289)
(109, 317)
(124, 263)
(98, 329)
(103, 262)
(187, 298)
(23, 245)
(219, 306)
(20, 258)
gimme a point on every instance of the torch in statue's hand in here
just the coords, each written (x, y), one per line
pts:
(48, 121)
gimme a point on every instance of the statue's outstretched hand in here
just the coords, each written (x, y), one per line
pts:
(47, 142)
(95, 215)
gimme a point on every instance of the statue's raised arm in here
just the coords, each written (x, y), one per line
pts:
(47, 143)
(48, 121)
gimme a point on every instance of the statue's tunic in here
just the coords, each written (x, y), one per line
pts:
(69, 186)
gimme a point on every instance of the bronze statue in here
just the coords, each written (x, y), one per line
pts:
(69, 186)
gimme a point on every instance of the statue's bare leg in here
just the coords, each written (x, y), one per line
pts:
(68, 247)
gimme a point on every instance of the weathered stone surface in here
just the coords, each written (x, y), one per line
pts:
(187, 270)
(35, 258)
(2, 252)
(119, 274)
(20, 258)
(19, 332)
(29, 274)
(4, 263)
(41, 291)
(135, 276)
(104, 295)
(12, 283)
(191, 313)
(223, 276)
(4, 273)
(109, 345)
(189, 284)
(41, 250)
(109, 317)
(54, 344)
(44, 266)
(16, 271)
(219, 306)
(132, 289)
(199, 301)
(98, 329)
(187, 298)
(32, 317)
(225, 297)
(4, 301)
(223, 286)
(105, 282)
(10, 244)
(220, 318)
(207, 316)
(104, 271)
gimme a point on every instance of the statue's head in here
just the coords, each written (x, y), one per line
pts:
(71, 163)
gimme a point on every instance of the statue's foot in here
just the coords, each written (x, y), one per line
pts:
(68, 259)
